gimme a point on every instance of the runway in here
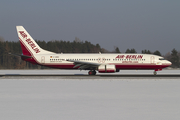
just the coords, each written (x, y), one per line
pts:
(73, 74)
(82, 76)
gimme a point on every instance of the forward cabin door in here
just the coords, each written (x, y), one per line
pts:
(152, 59)
(43, 59)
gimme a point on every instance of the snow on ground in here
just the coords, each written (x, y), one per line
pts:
(87, 99)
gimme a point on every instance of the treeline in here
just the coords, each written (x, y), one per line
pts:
(70, 47)
(13, 62)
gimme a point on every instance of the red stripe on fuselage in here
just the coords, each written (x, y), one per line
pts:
(141, 66)
(118, 66)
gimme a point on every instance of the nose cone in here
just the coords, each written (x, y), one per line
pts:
(169, 63)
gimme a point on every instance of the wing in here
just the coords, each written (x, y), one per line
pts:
(84, 65)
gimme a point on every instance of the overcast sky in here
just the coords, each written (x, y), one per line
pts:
(139, 24)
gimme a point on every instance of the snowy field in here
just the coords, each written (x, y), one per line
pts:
(88, 99)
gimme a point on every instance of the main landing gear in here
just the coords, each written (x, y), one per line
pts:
(92, 72)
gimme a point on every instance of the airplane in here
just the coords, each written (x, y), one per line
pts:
(103, 63)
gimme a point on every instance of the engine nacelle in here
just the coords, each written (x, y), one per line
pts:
(107, 68)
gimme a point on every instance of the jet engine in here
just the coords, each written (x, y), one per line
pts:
(107, 69)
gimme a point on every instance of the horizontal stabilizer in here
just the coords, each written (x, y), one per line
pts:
(25, 56)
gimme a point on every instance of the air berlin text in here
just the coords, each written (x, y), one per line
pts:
(129, 57)
(28, 40)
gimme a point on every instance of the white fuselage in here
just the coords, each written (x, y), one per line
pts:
(121, 61)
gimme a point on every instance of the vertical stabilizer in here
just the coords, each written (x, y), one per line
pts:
(28, 44)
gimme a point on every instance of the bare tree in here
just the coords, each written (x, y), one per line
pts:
(77, 40)
(1, 39)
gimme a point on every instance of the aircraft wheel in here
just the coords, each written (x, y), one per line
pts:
(92, 72)
(155, 73)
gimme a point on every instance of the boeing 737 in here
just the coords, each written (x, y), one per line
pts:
(103, 63)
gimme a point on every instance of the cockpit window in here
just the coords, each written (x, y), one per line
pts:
(161, 59)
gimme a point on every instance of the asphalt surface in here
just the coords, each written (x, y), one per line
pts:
(90, 76)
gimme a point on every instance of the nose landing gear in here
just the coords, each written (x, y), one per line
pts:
(155, 73)
(92, 72)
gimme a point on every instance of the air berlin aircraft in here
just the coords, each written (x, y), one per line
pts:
(103, 63)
